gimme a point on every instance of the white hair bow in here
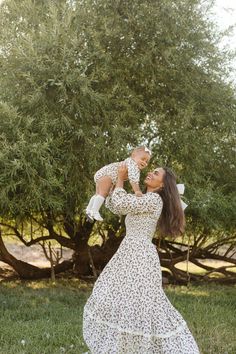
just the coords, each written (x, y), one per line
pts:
(181, 189)
(147, 150)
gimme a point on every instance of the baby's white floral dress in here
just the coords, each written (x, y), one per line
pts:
(111, 170)
(128, 311)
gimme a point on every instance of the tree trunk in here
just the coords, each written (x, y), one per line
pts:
(83, 266)
(29, 271)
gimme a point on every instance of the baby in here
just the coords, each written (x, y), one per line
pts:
(106, 177)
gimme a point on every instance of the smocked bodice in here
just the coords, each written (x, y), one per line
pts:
(144, 225)
(142, 212)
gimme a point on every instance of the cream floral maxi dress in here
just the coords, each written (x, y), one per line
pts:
(128, 311)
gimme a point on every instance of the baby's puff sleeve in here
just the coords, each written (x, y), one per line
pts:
(120, 202)
(133, 171)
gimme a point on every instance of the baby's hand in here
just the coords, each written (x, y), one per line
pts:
(123, 171)
(138, 194)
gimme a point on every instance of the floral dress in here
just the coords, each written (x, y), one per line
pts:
(111, 170)
(128, 311)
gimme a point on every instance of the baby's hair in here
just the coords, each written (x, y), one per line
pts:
(141, 148)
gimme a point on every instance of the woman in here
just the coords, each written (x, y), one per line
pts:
(128, 311)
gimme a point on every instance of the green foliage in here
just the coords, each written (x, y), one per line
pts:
(84, 80)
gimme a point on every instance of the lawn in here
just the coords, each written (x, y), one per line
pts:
(45, 318)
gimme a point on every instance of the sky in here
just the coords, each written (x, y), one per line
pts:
(225, 14)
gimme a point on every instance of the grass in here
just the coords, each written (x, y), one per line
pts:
(209, 311)
(39, 317)
(45, 318)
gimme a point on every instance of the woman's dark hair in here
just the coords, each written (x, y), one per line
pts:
(172, 220)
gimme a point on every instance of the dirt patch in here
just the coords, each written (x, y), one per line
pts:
(33, 255)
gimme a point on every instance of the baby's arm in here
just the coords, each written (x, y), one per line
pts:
(136, 189)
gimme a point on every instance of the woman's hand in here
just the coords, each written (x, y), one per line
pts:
(122, 172)
(122, 175)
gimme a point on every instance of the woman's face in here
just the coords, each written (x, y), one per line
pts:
(154, 180)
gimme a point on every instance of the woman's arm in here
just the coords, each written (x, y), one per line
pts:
(123, 203)
(122, 175)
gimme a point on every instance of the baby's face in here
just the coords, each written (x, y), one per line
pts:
(141, 158)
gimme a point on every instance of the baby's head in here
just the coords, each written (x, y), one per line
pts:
(141, 155)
